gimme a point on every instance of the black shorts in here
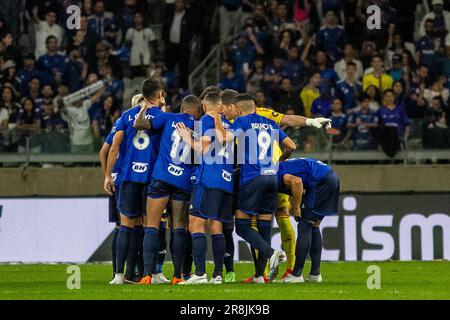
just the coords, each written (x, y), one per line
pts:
(132, 199)
(259, 196)
(160, 189)
(114, 216)
(322, 199)
(211, 204)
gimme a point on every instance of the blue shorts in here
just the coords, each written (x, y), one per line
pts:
(259, 196)
(160, 189)
(132, 199)
(114, 216)
(322, 199)
(211, 204)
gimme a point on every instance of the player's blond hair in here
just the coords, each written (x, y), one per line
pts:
(136, 99)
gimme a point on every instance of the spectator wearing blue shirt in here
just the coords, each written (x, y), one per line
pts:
(396, 72)
(273, 73)
(338, 121)
(394, 124)
(349, 89)
(114, 86)
(321, 107)
(52, 62)
(100, 22)
(105, 117)
(230, 79)
(23, 76)
(292, 66)
(28, 122)
(331, 37)
(46, 97)
(329, 77)
(243, 55)
(361, 124)
(427, 46)
(75, 71)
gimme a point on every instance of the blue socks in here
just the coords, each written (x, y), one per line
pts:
(218, 248)
(245, 231)
(140, 253)
(229, 250)
(150, 249)
(188, 258)
(132, 254)
(162, 246)
(304, 234)
(113, 248)
(264, 229)
(199, 247)
(179, 250)
(316, 251)
(122, 242)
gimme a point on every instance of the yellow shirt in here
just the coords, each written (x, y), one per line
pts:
(308, 95)
(386, 81)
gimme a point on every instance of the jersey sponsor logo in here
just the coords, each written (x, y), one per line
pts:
(139, 167)
(269, 172)
(175, 170)
(114, 176)
(226, 175)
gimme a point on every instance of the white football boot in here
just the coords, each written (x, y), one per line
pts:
(159, 278)
(312, 278)
(277, 257)
(216, 280)
(118, 279)
(259, 280)
(194, 279)
(293, 279)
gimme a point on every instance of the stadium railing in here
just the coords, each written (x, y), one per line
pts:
(54, 147)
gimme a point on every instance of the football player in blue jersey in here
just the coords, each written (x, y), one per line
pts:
(171, 180)
(141, 150)
(320, 200)
(257, 191)
(212, 196)
(114, 216)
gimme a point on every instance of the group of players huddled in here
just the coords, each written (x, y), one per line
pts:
(220, 163)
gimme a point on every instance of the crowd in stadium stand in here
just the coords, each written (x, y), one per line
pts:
(309, 57)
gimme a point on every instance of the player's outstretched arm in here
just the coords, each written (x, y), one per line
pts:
(141, 123)
(295, 185)
(288, 148)
(111, 161)
(103, 156)
(300, 121)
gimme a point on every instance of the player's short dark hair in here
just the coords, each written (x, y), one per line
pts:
(209, 89)
(245, 101)
(150, 88)
(229, 96)
(213, 97)
(190, 102)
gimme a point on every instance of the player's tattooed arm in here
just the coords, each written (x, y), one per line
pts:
(288, 147)
(140, 123)
(295, 185)
(111, 161)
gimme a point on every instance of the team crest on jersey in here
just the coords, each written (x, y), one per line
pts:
(139, 167)
(226, 175)
(175, 170)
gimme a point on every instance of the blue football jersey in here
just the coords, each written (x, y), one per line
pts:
(173, 164)
(216, 167)
(118, 165)
(256, 136)
(141, 147)
(309, 170)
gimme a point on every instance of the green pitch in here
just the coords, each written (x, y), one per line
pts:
(347, 280)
